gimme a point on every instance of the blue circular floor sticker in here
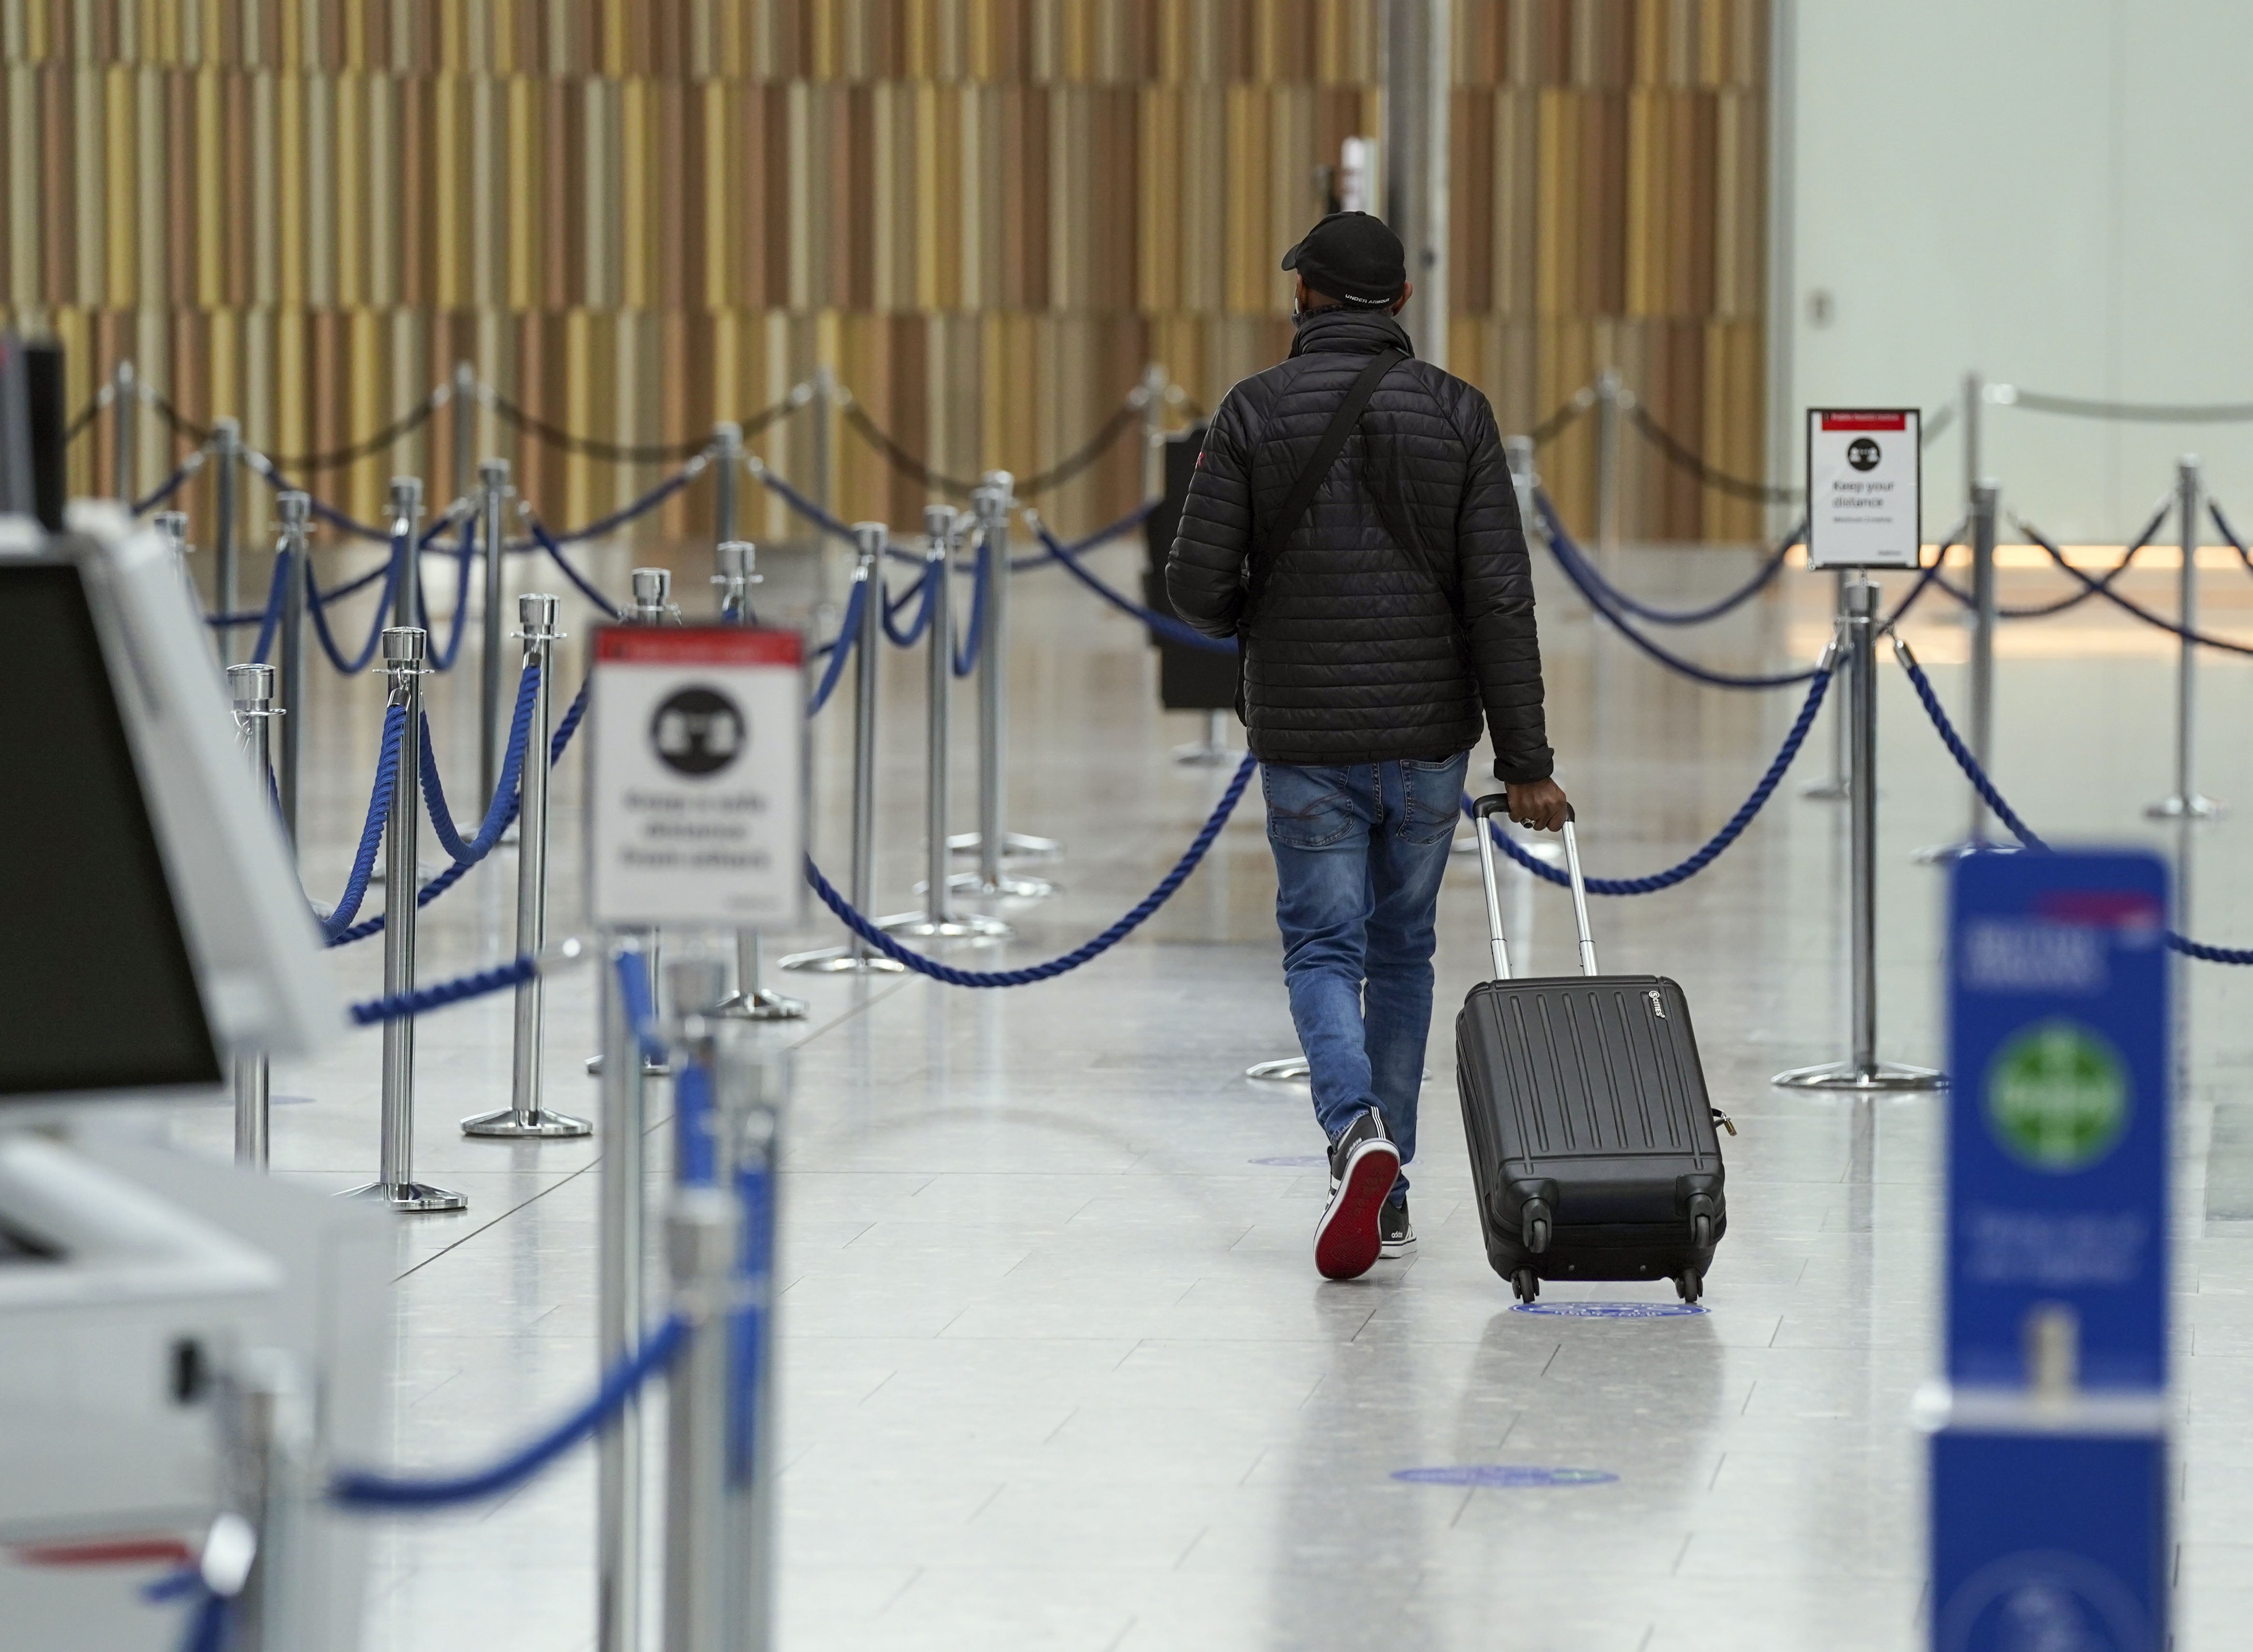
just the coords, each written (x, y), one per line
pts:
(1514, 1475)
(1609, 1310)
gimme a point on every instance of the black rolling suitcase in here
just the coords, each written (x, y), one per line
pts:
(1593, 1147)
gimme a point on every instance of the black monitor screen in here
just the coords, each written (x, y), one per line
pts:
(96, 989)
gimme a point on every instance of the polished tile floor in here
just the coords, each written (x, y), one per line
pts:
(1058, 1372)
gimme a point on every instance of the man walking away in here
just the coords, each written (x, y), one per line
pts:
(1352, 523)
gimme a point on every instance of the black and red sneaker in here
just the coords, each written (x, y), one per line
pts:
(1363, 1164)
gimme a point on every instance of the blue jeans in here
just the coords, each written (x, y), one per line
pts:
(1359, 854)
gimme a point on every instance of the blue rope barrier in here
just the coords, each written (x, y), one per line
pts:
(371, 833)
(207, 1617)
(454, 873)
(2043, 610)
(270, 619)
(849, 639)
(170, 484)
(502, 807)
(1164, 626)
(264, 469)
(1981, 782)
(799, 503)
(317, 605)
(640, 1002)
(973, 632)
(443, 659)
(1583, 574)
(1772, 566)
(1712, 848)
(392, 1006)
(928, 589)
(603, 526)
(2229, 534)
(547, 543)
(2101, 588)
(1086, 951)
(367, 1489)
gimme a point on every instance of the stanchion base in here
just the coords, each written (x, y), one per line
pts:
(2194, 807)
(1828, 791)
(1292, 1070)
(1014, 846)
(410, 1195)
(1199, 753)
(761, 1004)
(1941, 853)
(1879, 1076)
(1004, 887)
(950, 926)
(651, 1067)
(539, 1125)
(843, 960)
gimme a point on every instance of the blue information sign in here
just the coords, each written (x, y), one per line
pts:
(2058, 1137)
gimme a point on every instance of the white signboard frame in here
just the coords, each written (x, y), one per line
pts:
(1864, 486)
(696, 777)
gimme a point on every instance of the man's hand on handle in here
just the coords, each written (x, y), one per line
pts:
(1538, 804)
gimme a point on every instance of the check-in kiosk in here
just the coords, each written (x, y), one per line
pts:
(181, 1340)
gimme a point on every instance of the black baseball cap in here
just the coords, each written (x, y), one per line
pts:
(1353, 257)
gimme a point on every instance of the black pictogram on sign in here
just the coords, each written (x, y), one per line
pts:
(698, 731)
(1862, 453)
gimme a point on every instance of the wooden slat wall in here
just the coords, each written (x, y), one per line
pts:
(638, 217)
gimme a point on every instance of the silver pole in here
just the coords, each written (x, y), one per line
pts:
(855, 957)
(1607, 469)
(405, 522)
(942, 524)
(751, 1000)
(701, 1240)
(296, 511)
(125, 403)
(404, 650)
(466, 432)
(1152, 391)
(174, 525)
(1986, 498)
(1863, 1071)
(251, 690)
(1975, 407)
(652, 596)
(492, 506)
(227, 573)
(727, 468)
(824, 406)
(2187, 803)
(1416, 37)
(618, 1310)
(993, 842)
(525, 1117)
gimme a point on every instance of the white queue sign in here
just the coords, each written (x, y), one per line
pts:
(1863, 470)
(696, 788)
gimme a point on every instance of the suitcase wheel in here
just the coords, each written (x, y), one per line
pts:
(1701, 1235)
(1690, 1284)
(1526, 1284)
(1536, 1226)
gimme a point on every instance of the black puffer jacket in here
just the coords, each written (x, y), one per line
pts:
(1363, 649)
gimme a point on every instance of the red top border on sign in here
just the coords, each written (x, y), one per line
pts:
(696, 645)
(1865, 421)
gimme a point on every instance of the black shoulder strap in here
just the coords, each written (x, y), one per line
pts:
(1269, 546)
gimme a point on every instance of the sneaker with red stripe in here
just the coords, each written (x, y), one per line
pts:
(1363, 1164)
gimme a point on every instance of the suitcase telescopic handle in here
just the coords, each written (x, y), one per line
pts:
(1498, 803)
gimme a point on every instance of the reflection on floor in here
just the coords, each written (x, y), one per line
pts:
(1056, 1368)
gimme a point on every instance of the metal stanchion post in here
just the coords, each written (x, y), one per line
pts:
(525, 1117)
(942, 527)
(652, 605)
(492, 528)
(2185, 803)
(296, 511)
(1863, 1071)
(173, 526)
(727, 469)
(405, 522)
(993, 842)
(1986, 511)
(1607, 469)
(619, 1196)
(251, 690)
(465, 428)
(226, 572)
(719, 1409)
(855, 957)
(750, 1001)
(404, 650)
(1975, 405)
(1152, 391)
(125, 404)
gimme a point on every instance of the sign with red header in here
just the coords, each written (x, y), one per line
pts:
(696, 789)
(1864, 471)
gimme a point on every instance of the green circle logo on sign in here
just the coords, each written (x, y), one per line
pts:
(2057, 1096)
